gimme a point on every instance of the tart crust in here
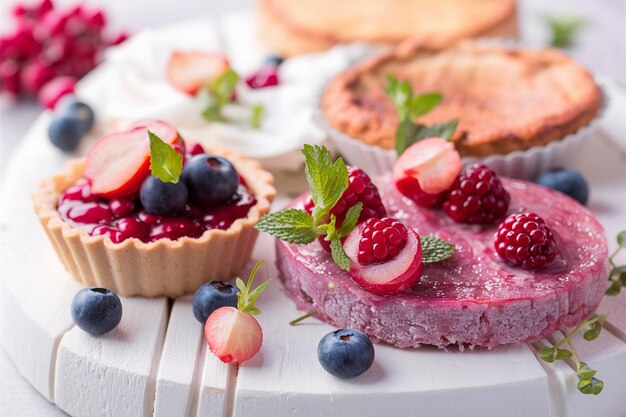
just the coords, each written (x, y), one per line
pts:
(505, 98)
(161, 268)
(291, 27)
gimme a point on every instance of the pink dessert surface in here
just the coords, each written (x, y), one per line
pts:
(473, 298)
(124, 218)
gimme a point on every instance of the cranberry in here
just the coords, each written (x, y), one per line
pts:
(477, 197)
(525, 240)
(265, 77)
(133, 227)
(175, 228)
(381, 240)
(195, 149)
(148, 218)
(90, 213)
(108, 231)
(122, 207)
(79, 192)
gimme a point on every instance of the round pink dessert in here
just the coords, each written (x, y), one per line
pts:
(473, 298)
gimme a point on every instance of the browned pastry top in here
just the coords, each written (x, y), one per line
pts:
(506, 99)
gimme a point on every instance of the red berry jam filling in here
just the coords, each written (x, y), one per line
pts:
(123, 218)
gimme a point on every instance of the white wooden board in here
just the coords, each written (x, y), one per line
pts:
(157, 363)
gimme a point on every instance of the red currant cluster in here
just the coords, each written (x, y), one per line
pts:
(47, 43)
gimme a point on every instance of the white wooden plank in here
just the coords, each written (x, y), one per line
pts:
(181, 363)
(286, 378)
(113, 374)
(218, 380)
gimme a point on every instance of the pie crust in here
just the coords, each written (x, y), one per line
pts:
(505, 98)
(291, 27)
(161, 268)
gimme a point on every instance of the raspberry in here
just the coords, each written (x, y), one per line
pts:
(477, 197)
(525, 240)
(381, 240)
(361, 189)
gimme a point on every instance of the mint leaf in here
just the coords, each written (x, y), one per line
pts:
(590, 386)
(435, 249)
(409, 133)
(563, 29)
(548, 354)
(614, 289)
(257, 115)
(352, 217)
(247, 297)
(223, 87)
(165, 163)
(621, 239)
(339, 254)
(594, 329)
(327, 179)
(292, 225)
(423, 103)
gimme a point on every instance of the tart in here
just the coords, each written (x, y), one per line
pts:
(473, 298)
(506, 99)
(106, 236)
(295, 27)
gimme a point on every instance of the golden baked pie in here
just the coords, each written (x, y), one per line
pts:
(505, 98)
(291, 27)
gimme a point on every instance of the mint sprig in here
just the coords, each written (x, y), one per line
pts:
(165, 163)
(435, 250)
(587, 382)
(563, 29)
(327, 180)
(617, 276)
(247, 296)
(410, 106)
(256, 117)
(216, 94)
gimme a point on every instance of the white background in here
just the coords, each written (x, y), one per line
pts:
(601, 47)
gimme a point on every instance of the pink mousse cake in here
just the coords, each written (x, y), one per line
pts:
(473, 298)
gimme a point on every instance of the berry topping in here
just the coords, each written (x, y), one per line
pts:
(477, 197)
(211, 296)
(233, 334)
(211, 180)
(163, 198)
(525, 240)
(346, 353)
(195, 149)
(189, 71)
(392, 274)
(70, 105)
(360, 189)
(426, 169)
(118, 163)
(96, 310)
(274, 60)
(122, 207)
(267, 76)
(381, 240)
(567, 181)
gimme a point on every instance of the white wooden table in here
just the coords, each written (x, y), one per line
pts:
(158, 344)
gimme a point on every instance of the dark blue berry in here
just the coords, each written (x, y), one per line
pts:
(346, 353)
(96, 310)
(567, 181)
(274, 60)
(65, 132)
(211, 180)
(212, 296)
(69, 105)
(163, 198)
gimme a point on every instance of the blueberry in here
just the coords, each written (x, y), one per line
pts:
(96, 310)
(211, 180)
(346, 353)
(69, 105)
(65, 132)
(274, 60)
(163, 198)
(212, 296)
(567, 181)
